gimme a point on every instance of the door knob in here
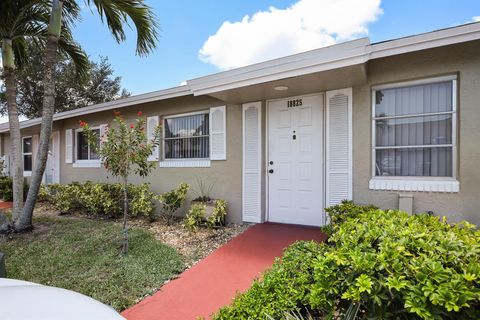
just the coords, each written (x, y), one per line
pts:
(270, 171)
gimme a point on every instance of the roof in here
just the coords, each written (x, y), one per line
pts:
(327, 58)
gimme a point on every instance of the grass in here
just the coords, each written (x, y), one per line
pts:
(83, 255)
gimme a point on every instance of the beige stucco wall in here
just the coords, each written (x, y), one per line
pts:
(226, 174)
(463, 60)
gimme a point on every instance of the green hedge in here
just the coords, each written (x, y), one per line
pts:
(100, 198)
(377, 264)
(6, 188)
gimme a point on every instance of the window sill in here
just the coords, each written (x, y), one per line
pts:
(415, 184)
(87, 164)
(189, 163)
(27, 173)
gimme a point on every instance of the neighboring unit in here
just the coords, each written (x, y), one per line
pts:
(394, 124)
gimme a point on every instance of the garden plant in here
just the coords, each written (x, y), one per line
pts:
(124, 150)
(376, 265)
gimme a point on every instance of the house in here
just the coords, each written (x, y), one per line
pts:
(394, 123)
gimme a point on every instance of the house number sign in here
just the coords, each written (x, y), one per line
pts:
(294, 103)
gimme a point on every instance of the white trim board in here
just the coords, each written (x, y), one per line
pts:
(418, 185)
(186, 163)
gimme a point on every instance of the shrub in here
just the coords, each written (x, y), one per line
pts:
(142, 201)
(219, 213)
(43, 194)
(203, 190)
(6, 188)
(382, 264)
(101, 198)
(346, 210)
(172, 200)
(197, 215)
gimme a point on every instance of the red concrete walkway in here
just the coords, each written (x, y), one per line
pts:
(214, 281)
(6, 204)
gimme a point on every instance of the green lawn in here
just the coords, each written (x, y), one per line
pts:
(83, 255)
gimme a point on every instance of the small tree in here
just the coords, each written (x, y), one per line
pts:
(124, 150)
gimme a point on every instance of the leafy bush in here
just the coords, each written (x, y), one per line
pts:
(197, 215)
(6, 188)
(217, 218)
(382, 264)
(100, 198)
(346, 210)
(43, 194)
(142, 201)
(172, 200)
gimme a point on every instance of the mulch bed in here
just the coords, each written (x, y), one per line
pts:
(193, 246)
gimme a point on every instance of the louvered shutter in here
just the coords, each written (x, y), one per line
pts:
(218, 134)
(252, 162)
(152, 124)
(68, 146)
(339, 146)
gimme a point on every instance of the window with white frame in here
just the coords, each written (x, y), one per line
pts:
(414, 127)
(27, 153)
(186, 136)
(83, 151)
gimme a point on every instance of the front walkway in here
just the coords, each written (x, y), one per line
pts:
(214, 281)
(6, 204)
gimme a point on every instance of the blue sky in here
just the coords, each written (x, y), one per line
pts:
(187, 25)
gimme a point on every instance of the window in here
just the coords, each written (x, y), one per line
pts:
(414, 129)
(27, 154)
(187, 136)
(83, 150)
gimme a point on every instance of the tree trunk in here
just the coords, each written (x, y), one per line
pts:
(125, 217)
(14, 124)
(54, 29)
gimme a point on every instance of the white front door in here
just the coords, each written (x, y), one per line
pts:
(295, 160)
(52, 170)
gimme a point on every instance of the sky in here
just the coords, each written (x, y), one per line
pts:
(198, 38)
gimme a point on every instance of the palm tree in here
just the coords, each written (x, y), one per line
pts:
(116, 14)
(22, 21)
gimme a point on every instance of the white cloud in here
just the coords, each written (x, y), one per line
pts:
(306, 25)
(475, 19)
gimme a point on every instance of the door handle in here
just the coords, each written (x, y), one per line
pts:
(270, 171)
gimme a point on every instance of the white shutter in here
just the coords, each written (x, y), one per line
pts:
(218, 133)
(103, 133)
(339, 146)
(152, 124)
(68, 146)
(252, 162)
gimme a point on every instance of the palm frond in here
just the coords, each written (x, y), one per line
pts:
(117, 13)
(68, 47)
(20, 51)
